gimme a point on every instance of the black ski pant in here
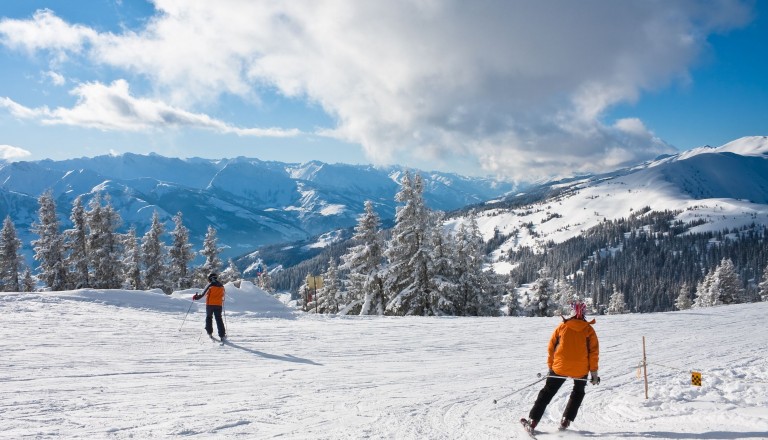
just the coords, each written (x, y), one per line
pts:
(210, 313)
(548, 392)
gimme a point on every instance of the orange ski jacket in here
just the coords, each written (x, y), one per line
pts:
(573, 348)
(215, 292)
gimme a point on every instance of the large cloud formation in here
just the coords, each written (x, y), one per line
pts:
(517, 88)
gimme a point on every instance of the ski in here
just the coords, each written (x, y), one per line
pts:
(528, 428)
(219, 340)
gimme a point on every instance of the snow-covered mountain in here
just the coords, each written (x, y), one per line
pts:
(726, 187)
(250, 202)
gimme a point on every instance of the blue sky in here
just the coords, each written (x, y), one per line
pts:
(519, 90)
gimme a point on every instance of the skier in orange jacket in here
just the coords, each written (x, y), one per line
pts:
(573, 352)
(214, 305)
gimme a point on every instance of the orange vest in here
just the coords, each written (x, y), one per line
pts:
(573, 349)
(215, 295)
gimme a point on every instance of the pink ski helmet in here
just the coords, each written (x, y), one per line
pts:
(579, 309)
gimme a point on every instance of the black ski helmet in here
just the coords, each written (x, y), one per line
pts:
(212, 276)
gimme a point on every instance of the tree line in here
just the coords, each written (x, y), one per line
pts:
(651, 259)
(93, 254)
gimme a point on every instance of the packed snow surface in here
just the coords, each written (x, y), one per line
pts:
(124, 364)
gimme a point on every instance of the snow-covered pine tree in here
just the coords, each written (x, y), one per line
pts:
(510, 300)
(76, 247)
(328, 296)
(541, 301)
(181, 255)
(444, 275)
(10, 259)
(564, 296)
(104, 245)
(49, 248)
(616, 304)
(407, 279)
(706, 293)
(365, 294)
(683, 301)
(729, 286)
(265, 281)
(154, 256)
(474, 294)
(210, 251)
(231, 273)
(763, 286)
(131, 261)
(28, 282)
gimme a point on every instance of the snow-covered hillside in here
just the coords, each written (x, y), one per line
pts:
(726, 186)
(119, 365)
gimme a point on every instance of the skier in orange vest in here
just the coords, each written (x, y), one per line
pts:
(573, 352)
(214, 305)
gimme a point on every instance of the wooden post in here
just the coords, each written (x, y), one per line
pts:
(645, 370)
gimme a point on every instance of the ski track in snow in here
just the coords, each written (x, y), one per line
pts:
(75, 368)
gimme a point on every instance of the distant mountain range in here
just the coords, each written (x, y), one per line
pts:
(250, 202)
(717, 188)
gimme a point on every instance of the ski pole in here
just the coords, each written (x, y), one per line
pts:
(185, 316)
(521, 389)
(566, 377)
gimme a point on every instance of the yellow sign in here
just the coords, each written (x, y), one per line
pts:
(695, 378)
(314, 282)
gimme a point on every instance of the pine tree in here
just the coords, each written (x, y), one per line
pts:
(683, 301)
(265, 281)
(729, 285)
(706, 295)
(616, 304)
(132, 261)
(154, 256)
(565, 295)
(28, 283)
(365, 294)
(510, 298)
(764, 286)
(211, 253)
(328, 296)
(444, 273)
(10, 260)
(474, 294)
(181, 255)
(104, 245)
(541, 302)
(231, 273)
(49, 248)
(76, 246)
(407, 281)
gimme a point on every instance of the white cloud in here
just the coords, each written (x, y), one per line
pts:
(45, 31)
(503, 85)
(55, 78)
(8, 152)
(112, 107)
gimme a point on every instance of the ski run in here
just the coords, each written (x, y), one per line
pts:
(124, 364)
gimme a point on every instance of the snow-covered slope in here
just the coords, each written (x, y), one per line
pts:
(715, 184)
(119, 365)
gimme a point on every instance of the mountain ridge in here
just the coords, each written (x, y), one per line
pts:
(249, 201)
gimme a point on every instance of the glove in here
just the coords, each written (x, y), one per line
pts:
(594, 378)
(195, 297)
